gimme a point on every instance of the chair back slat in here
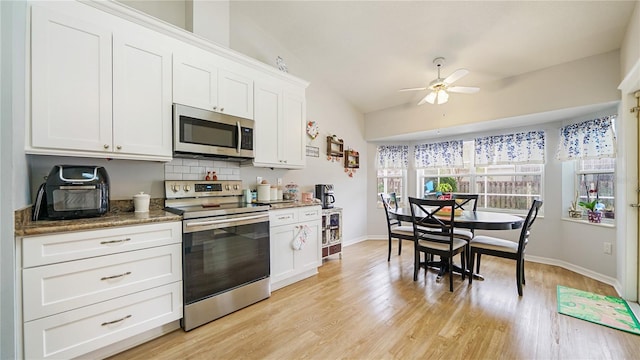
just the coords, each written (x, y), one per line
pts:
(466, 201)
(532, 215)
(392, 220)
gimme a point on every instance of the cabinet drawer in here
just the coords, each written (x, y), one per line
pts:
(80, 331)
(49, 249)
(52, 289)
(283, 217)
(310, 213)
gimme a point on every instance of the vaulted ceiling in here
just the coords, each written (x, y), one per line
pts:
(367, 50)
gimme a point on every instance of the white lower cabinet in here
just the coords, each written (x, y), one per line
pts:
(295, 244)
(121, 282)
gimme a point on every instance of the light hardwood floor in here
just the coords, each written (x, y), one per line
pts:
(363, 307)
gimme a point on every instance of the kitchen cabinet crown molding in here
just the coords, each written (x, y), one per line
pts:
(143, 19)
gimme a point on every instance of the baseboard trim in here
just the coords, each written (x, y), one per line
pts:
(578, 269)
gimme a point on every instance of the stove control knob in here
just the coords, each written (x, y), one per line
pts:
(187, 188)
(235, 187)
(227, 187)
(175, 188)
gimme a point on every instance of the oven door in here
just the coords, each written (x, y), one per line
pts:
(203, 132)
(223, 253)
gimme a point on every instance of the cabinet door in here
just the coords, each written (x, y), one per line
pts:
(195, 80)
(282, 263)
(268, 112)
(142, 95)
(309, 256)
(293, 129)
(235, 94)
(70, 82)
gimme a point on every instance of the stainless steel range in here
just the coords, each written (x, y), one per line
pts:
(225, 248)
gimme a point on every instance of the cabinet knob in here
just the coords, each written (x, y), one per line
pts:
(119, 147)
(215, 108)
(106, 146)
(221, 109)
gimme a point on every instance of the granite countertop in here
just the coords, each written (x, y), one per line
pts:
(291, 204)
(120, 214)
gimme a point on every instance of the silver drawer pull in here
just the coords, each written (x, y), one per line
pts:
(115, 276)
(283, 217)
(310, 214)
(115, 321)
(114, 241)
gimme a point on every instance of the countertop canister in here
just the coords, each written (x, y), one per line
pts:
(141, 202)
(264, 192)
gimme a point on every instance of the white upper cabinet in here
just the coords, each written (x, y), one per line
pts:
(101, 86)
(204, 80)
(280, 115)
(71, 82)
(142, 95)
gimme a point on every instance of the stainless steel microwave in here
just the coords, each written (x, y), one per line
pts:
(202, 133)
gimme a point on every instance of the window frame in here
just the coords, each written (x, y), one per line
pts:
(579, 172)
(403, 183)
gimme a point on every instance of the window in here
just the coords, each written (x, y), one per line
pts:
(509, 188)
(391, 180)
(595, 180)
(392, 162)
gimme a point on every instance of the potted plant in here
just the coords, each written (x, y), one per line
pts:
(444, 189)
(593, 214)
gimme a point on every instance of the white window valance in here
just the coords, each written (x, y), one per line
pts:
(520, 148)
(592, 139)
(392, 157)
(446, 154)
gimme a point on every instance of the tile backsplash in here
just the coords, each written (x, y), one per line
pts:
(194, 169)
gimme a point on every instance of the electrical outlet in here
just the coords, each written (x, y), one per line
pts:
(258, 179)
(607, 248)
(279, 181)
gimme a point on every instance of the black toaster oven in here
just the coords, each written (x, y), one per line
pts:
(73, 192)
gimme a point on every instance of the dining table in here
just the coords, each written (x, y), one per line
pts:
(468, 219)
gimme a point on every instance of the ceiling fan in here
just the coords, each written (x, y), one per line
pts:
(440, 87)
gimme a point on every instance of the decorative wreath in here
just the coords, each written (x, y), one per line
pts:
(312, 129)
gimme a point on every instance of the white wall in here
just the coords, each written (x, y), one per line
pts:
(630, 49)
(593, 80)
(209, 19)
(171, 11)
(12, 160)
(333, 115)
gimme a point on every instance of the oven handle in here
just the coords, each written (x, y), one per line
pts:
(239, 137)
(229, 221)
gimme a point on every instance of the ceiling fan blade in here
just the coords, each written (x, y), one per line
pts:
(455, 76)
(463, 89)
(430, 98)
(413, 89)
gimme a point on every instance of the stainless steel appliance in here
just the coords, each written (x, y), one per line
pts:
(201, 133)
(324, 192)
(226, 256)
(72, 192)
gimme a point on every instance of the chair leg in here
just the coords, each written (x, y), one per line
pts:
(471, 256)
(523, 277)
(416, 264)
(389, 253)
(463, 265)
(399, 246)
(478, 266)
(519, 276)
(451, 273)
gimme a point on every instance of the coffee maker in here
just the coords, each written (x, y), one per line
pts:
(324, 192)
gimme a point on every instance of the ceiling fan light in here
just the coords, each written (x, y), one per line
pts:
(431, 98)
(442, 97)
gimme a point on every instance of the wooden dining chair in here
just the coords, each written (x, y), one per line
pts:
(395, 228)
(434, 235)
(504, 248)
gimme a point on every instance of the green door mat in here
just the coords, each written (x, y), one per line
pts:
(609, 311)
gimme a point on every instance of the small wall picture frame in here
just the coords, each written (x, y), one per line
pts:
(313, 151)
